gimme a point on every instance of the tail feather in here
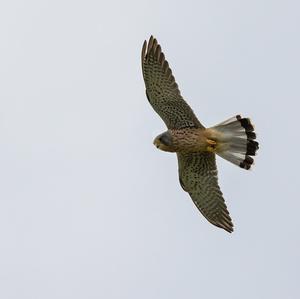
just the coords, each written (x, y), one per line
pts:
(236, 138)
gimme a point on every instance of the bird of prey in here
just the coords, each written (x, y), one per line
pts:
(195, 145)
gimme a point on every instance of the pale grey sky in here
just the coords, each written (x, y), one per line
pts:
(89, 208)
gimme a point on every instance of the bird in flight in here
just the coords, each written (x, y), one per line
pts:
(195, 145)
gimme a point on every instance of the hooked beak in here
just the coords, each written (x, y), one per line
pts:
(155, 142)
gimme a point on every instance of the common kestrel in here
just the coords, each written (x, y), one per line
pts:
(195, 145)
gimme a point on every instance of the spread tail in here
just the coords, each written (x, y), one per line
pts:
(236, 141)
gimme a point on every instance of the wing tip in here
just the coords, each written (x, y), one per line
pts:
(229, 230)
(227, 226)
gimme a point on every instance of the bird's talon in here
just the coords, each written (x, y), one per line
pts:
(211, 149)
(211, 146)
(211, 142)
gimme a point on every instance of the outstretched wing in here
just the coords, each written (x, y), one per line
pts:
(199, 177)
(162, 90)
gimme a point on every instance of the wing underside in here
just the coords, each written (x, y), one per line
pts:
(162, 90)
(198, 177)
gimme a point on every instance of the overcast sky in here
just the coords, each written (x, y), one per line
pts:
(89, 208)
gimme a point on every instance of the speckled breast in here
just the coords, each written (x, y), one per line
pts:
(189, 140)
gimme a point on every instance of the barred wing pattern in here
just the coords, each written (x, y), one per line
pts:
(198, 177)
(162, 90)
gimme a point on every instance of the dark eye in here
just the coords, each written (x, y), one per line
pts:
(165, 139)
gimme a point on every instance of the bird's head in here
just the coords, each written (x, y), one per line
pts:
(164, 142)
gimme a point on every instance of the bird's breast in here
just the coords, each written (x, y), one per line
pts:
(189, 140)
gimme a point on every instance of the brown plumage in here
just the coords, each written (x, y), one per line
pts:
(195, 146)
